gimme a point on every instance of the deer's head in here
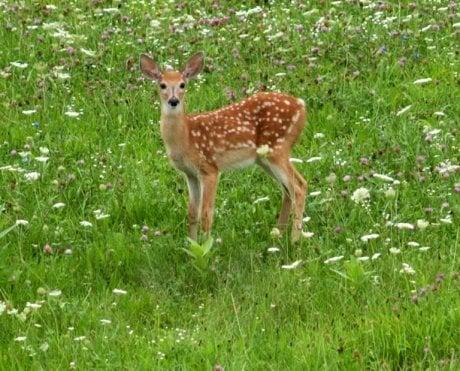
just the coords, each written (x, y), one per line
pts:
(172, 84)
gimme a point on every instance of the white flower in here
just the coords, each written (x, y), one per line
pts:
(294, 265)
(306, 219)
(360, 195)
(33, 305)
(119, 292)
(263, 150)
(55, 293)
(273, 249)
(19, 65)
(261, 199)
(85, 223)
(32, 176)
(100, 215)
(406, 268)
(413, 244)
(390, 193)
(105, 321)
(404, 110)
(154, 23)
(314, 159)
(2, 307)
(58, 205)
(296, 160)
(307, 234)
(42, 159)
(29, 112)
(439, 114)
(62, 76)
(72, 113)
(333, 259)
(422, 224)
(369, 237)
(44, 150)
(318, 136)
(44, 347)
(446, 220)
(404, 226)
(314, 194)
(376, 256)
(80, 338)
(424, 248)
(395, 251)
(20, 338)
(275, 233)
(423, 81)
(383, 177)
(89, 53)
(22, 222)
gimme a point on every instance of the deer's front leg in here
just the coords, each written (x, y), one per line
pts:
(208, 189)
(194, 192)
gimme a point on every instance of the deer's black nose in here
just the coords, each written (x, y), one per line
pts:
(173, 102)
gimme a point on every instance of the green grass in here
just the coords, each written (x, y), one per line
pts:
(245, 312)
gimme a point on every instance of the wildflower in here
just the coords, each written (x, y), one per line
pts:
(358, 252)
(314, 159)
(273, 249)
(261, 199)
(361, 195)
(318, 136)
(424, 248)
(275, 233)
(368, 237)
(32, 176)
(423, 81)
(85, 223)
(307, 234)
(44, 347)
(376, 256)
(413, 244)
(390, 193)
(20, 338)
(105, 321)
(47, 249)
(79, 338)
(404, 226)
(406, 268)
(331, 178)
(363, 258)
(294, 265)
(446, 220)
(383, 177)
(19, 65)
(2, 307)
(314, 194)
(21, 222)
(333, 259)
(55, 293)
(422, 224)
(72, 114)
(119, 292)
(29, 112)
(395, 251)
(296, 160)
(58, 205)
(404, 110)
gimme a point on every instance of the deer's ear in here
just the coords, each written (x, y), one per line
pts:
(149, 68)
(193, 66)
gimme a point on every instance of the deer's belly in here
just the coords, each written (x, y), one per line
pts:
(234, 159)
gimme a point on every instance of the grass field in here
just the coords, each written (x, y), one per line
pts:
(92, 269)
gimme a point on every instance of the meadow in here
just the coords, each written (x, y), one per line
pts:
(93, 217)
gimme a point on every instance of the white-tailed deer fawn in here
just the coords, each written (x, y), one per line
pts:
(260, 129)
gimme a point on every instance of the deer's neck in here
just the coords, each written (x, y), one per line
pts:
(174, 131)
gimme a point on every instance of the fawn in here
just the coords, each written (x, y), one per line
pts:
(261, 129)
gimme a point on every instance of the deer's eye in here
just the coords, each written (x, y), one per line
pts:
(182, 85)
(162, 86)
